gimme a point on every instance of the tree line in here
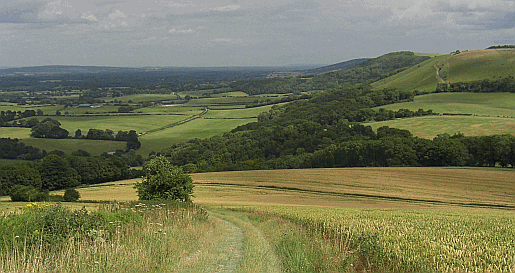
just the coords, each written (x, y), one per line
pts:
(54, 172)
(506, 84)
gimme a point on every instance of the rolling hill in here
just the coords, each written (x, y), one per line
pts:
(462, 67)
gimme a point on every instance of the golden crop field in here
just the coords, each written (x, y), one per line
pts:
(393, 187)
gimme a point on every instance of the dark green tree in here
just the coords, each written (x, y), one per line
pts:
(56, 173)
(164, 181)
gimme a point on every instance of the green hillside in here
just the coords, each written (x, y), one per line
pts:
(462, 67)
(478, 104)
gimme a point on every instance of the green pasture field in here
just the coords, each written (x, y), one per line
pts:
(431, 126)
(226, 100)
(94, 147)
(230, 94)
(47, 110)
(199, 128)
(144, 97)
(140, 124)
(171, 109)
(237, 113)
(14, 132)
(10, 161)
(89, 110)
(199, 93)
(482, 104)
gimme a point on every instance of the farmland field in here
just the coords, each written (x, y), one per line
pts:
(397, 219)
(94, 147)
(115, 123)
(431, 126)
(198, 128)
(482, 104)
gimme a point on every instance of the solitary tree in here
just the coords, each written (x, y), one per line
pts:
(162, 180)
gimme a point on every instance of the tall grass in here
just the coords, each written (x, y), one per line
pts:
(130, 237)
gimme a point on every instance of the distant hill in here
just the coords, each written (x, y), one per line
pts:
(338, 66)
(66, 69)
(462, 67)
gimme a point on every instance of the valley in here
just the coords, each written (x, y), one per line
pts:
(361, 166)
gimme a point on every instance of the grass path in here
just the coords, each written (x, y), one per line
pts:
(234, 246)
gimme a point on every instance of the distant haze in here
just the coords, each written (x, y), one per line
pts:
(242, 33)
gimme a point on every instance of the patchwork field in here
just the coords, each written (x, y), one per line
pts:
(475, 114)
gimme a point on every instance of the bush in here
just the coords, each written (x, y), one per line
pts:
(164, 181)
(71, 195)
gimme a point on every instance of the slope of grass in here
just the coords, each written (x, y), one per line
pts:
(431, 126)
(483, 104)
(420, 77)
(466, 66)
(478, 64)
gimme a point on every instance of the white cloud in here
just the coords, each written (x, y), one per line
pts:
(181, 31)
(228, 8)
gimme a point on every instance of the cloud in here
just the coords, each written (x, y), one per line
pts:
(20, 12)
(228, 8)
(181, 31)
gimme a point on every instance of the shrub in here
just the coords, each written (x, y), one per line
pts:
(164, 181)
(71, 195)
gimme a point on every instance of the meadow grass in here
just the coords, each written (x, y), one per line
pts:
(134, 237)
(431, 126)
(482, 104)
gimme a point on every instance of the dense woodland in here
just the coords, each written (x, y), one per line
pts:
(324, 132)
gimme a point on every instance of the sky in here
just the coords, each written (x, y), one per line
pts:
(242, 33)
